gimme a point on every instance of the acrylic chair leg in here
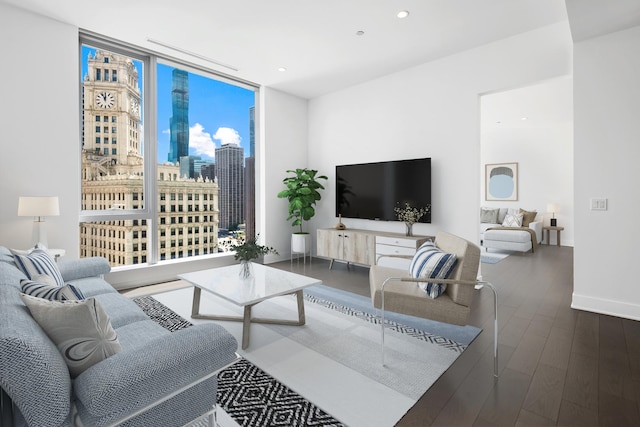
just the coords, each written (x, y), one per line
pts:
(495, 326)
(382, 315)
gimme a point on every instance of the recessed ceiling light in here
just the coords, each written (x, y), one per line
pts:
(524, 118)
(359, 33)
(403, 14)
(282, 69)
(498, 121)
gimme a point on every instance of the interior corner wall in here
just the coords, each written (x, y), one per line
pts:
(606, 153)
(431, 110)
(283, 132)
(40, 125)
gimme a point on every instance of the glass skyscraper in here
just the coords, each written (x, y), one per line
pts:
(179, 126)
(230, 173)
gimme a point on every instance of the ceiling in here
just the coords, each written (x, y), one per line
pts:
(544, 104)
(316, 41)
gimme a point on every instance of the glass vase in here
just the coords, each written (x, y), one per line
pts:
(409, 226)
(246, 269)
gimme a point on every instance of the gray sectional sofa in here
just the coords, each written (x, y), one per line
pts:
(151, 364)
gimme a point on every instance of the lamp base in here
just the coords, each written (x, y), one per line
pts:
(554, 222)
(39, 236)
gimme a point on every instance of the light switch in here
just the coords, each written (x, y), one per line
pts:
(598, 204)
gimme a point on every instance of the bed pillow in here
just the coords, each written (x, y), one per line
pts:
(81, 330)
(50, 292)
(38, 265)
(429, 262)
(513, 220)
(489, 216)
(528, 217)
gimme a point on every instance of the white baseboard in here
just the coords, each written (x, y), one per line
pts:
(605, 306)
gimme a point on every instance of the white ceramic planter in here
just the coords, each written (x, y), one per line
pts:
(300, 243)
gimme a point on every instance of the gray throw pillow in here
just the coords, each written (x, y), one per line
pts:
(489, 216)
(80, 329)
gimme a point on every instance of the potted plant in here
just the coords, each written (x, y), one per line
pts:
(302, 194)
(247, 250)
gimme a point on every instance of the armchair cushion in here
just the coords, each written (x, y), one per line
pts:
(80, 329)
(429, 262)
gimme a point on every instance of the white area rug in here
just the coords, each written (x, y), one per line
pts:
(494, 256)
(333, 360)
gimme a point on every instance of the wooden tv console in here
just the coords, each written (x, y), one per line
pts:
(364, 246)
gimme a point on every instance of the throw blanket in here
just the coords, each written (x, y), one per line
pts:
(532, 233)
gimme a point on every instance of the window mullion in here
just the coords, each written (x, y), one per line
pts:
(150, 156)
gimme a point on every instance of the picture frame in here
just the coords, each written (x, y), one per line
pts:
(501, 181)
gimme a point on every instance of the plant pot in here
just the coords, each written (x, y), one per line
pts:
(300, 243)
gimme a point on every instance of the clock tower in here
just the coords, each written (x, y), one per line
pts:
(111, 109)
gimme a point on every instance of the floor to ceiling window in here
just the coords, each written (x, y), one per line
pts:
(167, 152)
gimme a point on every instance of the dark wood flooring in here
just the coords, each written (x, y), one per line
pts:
(558, 366)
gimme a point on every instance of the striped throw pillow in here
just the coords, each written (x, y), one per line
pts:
(39, 266)
(51, 292)
(429, 262)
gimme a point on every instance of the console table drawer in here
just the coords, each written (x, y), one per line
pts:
(382, 249)
(396, 241)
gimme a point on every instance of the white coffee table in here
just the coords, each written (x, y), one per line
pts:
(266, 282)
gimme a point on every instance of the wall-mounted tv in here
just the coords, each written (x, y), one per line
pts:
(373, 190)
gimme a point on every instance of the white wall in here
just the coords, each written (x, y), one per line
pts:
(430, 111)
(40, 125)
(284, 141)
(542, 145)
(607, 131)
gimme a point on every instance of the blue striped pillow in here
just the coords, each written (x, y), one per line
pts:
(52, 293)
(37, 264)
(429, 262)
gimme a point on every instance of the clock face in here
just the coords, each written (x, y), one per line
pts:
(135, 106)
(105, 100)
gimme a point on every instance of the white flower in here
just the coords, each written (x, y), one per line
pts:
(411, 215)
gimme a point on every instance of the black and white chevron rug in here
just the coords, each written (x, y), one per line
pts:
(248, 394)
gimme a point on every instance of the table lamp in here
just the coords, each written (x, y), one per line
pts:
(38, 208)
(552, 207)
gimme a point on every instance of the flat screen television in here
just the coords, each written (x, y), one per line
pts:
(373, 190)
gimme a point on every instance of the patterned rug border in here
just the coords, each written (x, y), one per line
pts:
(248, 394)
(392, 325)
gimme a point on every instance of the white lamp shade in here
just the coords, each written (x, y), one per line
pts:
(38, 206)
(552, 207)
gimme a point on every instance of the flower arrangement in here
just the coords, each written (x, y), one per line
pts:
(249, 249)
(410, 215)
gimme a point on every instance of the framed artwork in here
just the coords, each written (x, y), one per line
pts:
(501, 181)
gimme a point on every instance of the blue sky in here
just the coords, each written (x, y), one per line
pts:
(218, 112)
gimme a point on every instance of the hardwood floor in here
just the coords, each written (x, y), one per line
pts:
(558, 366)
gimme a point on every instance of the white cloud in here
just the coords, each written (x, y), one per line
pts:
(167, 131)
(200, 141)
(227, 136)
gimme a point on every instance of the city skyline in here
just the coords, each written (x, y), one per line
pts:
(218, 111)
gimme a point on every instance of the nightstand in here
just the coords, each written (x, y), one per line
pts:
(548, 229)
